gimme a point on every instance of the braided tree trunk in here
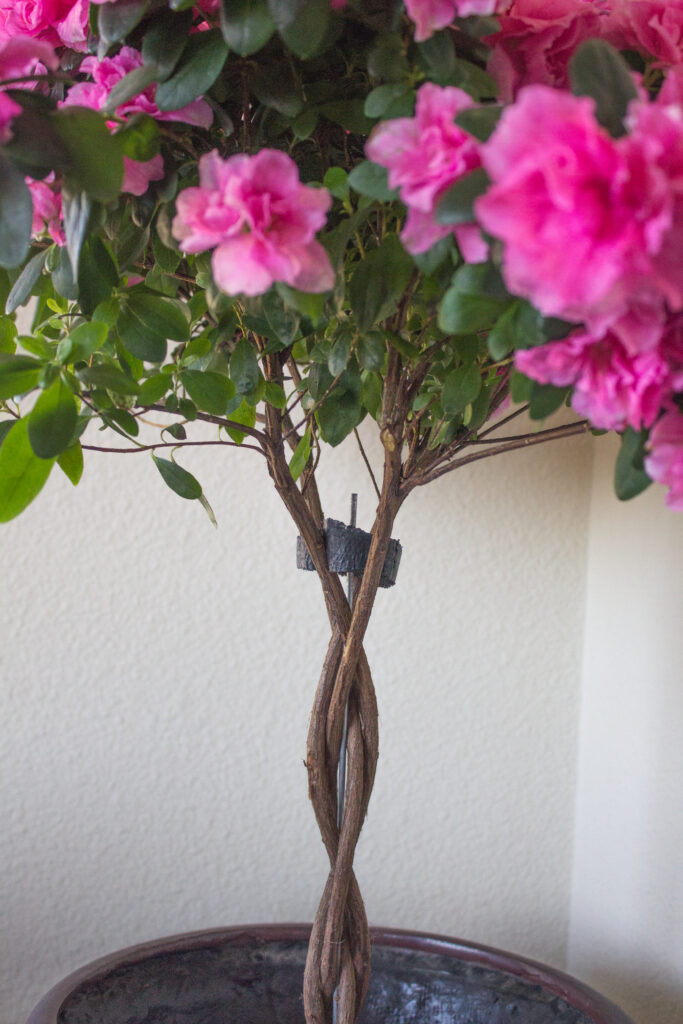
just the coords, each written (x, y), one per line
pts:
(339, 950)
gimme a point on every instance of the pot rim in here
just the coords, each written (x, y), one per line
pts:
(575, 992)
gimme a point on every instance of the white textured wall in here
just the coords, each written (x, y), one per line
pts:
(156, 679)
(627, 901)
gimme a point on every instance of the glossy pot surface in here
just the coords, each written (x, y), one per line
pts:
(253, 975)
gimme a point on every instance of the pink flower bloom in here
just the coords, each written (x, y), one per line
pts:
(612, 388)
(59, 22)
(664, 464)
(106, 73)
(47, 209)
(431, 15)
(137, 174)
(425, 155)
(20, 56)
(580, 214)
(537, 39)
(261, 220)
(654, 27)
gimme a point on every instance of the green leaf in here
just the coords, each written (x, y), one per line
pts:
(97, 274)
(308, 304)
(599, 71)
(630, 478)
(146, 323)
(116, 20)
(518, 327)
(282, 319)
(244, 369)
(339, 355)
(16, 213)
(460, 388)
(210, 391)
(475, 300)
(380, 99)
(77, 208)
(244, 414)
(438, 53)
(85, 340)
(341, 411)
(301, 455)
(139, 137)
(8, 334)
(371, 351)
(336, 181)
(71, 462)
(480, 122)
(200, 65)
(456, 205)
(154, 389)
(18, 374)
(22, 473)
(121, 420)
(109, 378)
(545, 400)
(302, 24)
(165, 40)
(52, 421)
(95, 156)
(24, 284)
(178, 479)
(277, 86)
(275, 395)
(5, 427)
(378, 282)
(372, 180)
(246, 25)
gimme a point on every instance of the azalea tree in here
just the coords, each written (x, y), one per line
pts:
(282, 218)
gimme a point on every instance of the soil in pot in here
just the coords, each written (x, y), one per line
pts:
(253, 975)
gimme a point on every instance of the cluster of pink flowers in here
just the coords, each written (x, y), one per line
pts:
(58, 22)
(425, 155)
(590, 228)
(259, 219)
(653, 27)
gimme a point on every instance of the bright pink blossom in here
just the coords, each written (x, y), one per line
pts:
(260, 219)
(581, 215)
(664, 464)
(20, 56)
(137, 174)
(612, 387)
(58, 22)
(431, 15)
(425, 155)
(536, 41)
(654, 27)
(47, 209)
(106, 73)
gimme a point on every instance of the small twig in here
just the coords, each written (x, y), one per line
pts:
(172, 444)
(367, 463)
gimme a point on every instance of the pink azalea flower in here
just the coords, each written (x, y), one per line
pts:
(664, 464)
(260, 219)
(537, 39)
(20, 56)
(107, 72)
(654, 27)
(425, 155)
(137, 174)
(431, 15)
(58, 22)
(580, 214)
(612, 388)
(47, 209)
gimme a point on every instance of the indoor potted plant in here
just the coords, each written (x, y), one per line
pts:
(281, 219)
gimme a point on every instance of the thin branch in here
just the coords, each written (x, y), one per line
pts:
(506, 419)
(367, 463)
(555, 434)
(172, 444)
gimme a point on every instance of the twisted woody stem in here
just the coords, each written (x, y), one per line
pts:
(339, 949)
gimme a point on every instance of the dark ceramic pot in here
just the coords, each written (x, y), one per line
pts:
(253, 975)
